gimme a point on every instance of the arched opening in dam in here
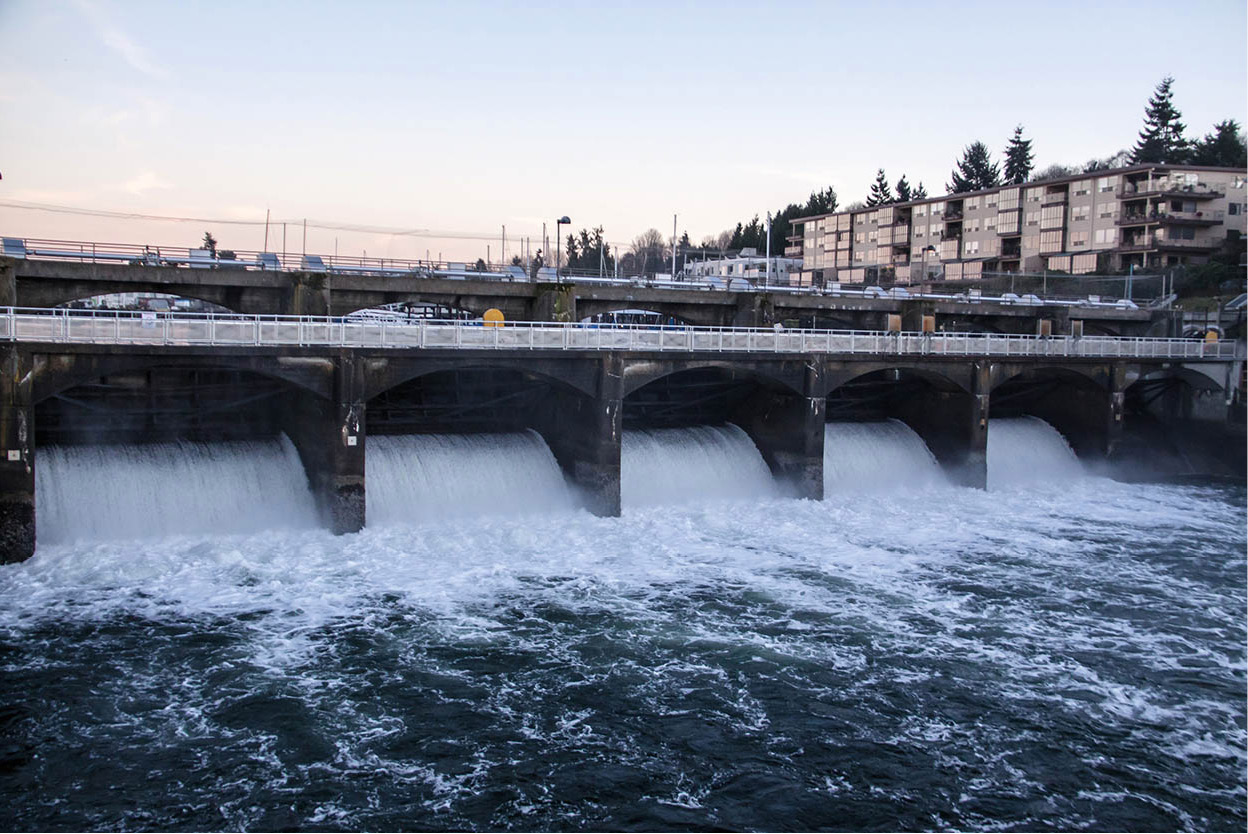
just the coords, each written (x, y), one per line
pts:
(141, 302)
(908, 405)
(1077, 405)
(171, 449)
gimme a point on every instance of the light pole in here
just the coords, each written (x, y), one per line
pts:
(559, 243)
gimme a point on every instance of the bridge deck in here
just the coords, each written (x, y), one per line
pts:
(126, 328)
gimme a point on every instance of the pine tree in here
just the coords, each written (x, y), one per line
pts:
(976, 170)
(1161, 140)
(1224, 147)
(881, 193)
(920, 192)
(210, 243)
(904, 193)
(1018, 158)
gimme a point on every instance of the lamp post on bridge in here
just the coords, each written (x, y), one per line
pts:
(559, 245)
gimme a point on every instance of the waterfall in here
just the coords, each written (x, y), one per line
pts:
(427, 477)
(876, 456)
(1027, 450)
(149, 490)
(699, 463)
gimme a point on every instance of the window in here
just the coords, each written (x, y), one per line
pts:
(990, 201)
(972, 203)
(920, 210)
(1051, 216)
(1033, 218)
(1034, 194)
(934, 229)
(1109, 211)
(918, 231)
(1080, 212)
(1107, 184)
(1109, 236)
(1051, 241)
(972, 247)
(1233, 208)
(1031, 243)
(859, 237)
(938, 208)
(1083, 187)
(990, 223)
(1078, 240)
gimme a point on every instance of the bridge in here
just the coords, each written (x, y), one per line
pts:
(54, 273)
(73, 376)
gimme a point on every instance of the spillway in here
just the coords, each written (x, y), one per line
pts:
(426, 477)
(86, 493)
(689, 465)
(1027, 450)
(876, 456)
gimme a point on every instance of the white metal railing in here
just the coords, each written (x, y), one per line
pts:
(228, 329)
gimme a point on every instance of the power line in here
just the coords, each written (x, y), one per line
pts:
(323, 225)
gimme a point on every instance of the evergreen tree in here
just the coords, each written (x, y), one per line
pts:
(1018, 158)
(1224, 147)
(975, 171)
(210, 243)
(904, 193)
(920, 193)
(1161, 140)
(881, 194)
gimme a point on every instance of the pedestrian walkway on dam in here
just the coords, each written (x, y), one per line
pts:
(61, 325)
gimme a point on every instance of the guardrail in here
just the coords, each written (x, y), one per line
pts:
(125, 328)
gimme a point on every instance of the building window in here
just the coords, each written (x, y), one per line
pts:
(1106, 236)
(938, 208)
(1107, 183)
(1079, 212)
(1051, 241)
(1233, 208)
(1083, 187)
(1033, 218)
(918, 231)
(972, 203)
(1079, 240)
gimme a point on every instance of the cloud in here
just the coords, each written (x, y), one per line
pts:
(117, 40)
(146, 181)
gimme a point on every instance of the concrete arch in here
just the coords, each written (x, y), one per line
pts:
(53, 374)
(788, 375)
(243, 300)
(385, 374)
(345, 301)
(1099, 377)
(953, 379)
(684, 315)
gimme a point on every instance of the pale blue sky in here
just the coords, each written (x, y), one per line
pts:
(468, 116)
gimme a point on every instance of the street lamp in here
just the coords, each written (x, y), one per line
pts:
(559, 243)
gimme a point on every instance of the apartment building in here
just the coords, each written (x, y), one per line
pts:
(1146, 216)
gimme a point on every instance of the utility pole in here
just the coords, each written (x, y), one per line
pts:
(673, 247)
(266, 230)
(283, 240)
(305, 237)
(768, 272)
(503, 252)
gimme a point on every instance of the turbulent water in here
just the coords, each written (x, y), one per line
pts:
(1063, 653)
(692, 465)
(883, 456)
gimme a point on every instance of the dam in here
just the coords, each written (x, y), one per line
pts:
(331, 387)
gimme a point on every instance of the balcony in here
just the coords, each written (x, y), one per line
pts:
(1165, 188)
(953, 215)
(1173, 218)
(1150, 243)
(1055, 198)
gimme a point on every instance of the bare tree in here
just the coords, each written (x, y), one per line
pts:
(647, 248)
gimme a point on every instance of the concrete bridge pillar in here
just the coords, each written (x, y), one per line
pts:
(554, 302)
(17, 459)
(788, 430)
(584, 433)
(308, 294)
(8, 283)
(330, 436)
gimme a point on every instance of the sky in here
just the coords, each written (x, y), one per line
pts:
(448, 121)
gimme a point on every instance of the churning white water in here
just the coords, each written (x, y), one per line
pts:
(876, 457)
(421, 478)
(85, 493)
(1027, 450)
(694, 464)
